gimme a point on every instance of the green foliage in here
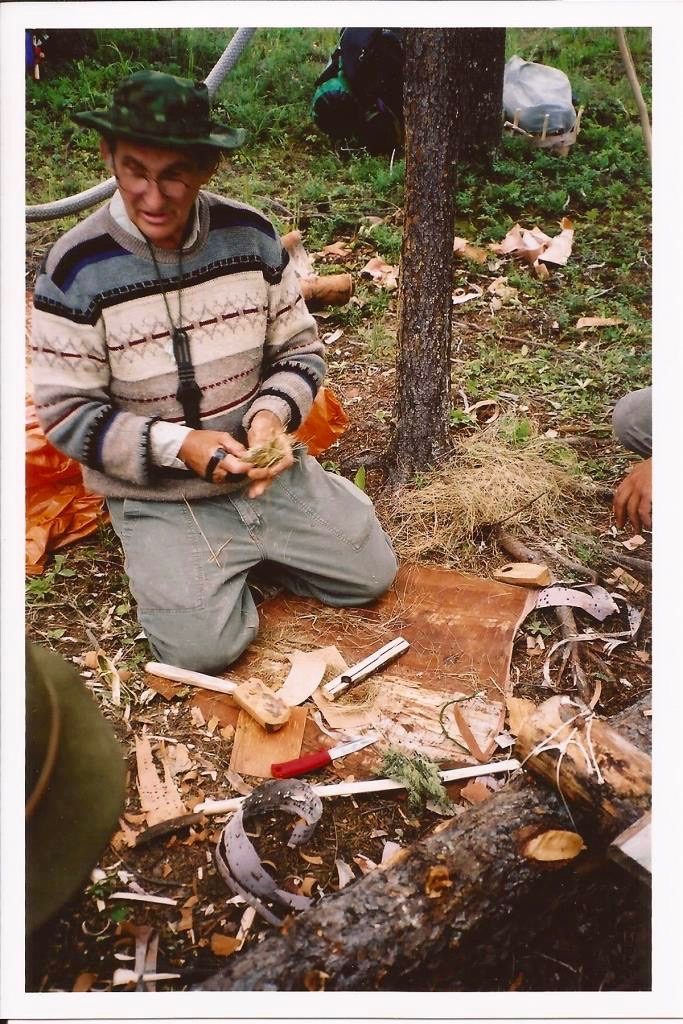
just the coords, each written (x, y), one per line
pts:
(360, 478)
(420, 775)
(40, 587)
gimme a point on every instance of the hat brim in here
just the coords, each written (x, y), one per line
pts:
(221, 136)
(79, 809)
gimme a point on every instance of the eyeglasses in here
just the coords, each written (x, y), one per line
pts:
(172, 186)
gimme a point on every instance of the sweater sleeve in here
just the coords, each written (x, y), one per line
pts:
(71, 376)
(293, 361)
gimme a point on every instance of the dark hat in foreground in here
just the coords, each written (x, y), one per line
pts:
(75, 783)
(161, 110)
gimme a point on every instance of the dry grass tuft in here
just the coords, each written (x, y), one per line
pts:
(494, 476)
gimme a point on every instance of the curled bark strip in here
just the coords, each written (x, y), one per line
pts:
(238, 862)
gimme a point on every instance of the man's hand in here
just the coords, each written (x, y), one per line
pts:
(199, 446)
(264, 427)
(633, 497)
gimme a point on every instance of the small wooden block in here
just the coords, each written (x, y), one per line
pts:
(262, 704)
(523, 574)
(254, 749)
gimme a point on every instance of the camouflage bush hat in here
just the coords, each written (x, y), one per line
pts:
(159, 109)
(75, 783)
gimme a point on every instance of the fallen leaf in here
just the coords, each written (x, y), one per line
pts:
(560, 247)
(84, 982)
(642, 656)
(382, 273)
(364, 863)
(519, 709)
(344, 872)
(228, 732)
(197, 717)
(339, 248)
(223, 945)
(237, 783)
(490, 416)
(633, 542)
(109, 673)
(310, 858)
(464, 249)
(91, 659)
(584, 322)
(308, 885)
(501, 290)
(459, 295)
(391, 850)
(554, 845)
(185, 922)
(436, 880)
(504, 740)
(475, 792)
(332, 336)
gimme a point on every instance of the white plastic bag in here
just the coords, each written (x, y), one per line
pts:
(532, 91)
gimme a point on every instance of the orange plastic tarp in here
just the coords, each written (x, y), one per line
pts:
(58, 507)
(60, 510)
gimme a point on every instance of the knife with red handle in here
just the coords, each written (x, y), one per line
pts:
(318, 759)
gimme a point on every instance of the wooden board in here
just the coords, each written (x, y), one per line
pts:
(254, 749)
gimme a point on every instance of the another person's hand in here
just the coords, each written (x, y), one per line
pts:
(633, 497)
(199, 448)
(266, 426)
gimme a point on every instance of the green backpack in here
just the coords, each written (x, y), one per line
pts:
(359, 95)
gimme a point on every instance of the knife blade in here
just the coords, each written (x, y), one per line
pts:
(319, 758)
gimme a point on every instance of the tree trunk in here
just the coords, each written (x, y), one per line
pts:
(424, 334)
(425, 907)
(598, 768)
(479, 92)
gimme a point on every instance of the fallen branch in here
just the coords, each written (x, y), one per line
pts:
(416, 914)
(569, 563)
(635, 88)
(589, 762)
(565, 616)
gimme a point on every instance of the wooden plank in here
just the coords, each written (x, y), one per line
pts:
(254, 749)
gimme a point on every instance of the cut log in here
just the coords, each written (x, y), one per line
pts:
(590, 762)
(423, 907)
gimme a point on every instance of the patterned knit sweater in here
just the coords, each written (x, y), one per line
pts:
(103, 366)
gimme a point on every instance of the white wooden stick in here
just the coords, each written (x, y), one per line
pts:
(369, 785)
(189, 678)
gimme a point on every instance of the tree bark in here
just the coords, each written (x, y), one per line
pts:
(424, 335)
(425, 907)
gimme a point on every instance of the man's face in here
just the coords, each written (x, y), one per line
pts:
(158, 187)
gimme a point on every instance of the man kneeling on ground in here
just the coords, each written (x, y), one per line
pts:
(168, 333)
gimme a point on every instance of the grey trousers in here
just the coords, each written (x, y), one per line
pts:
(632, 421)
(188, 566)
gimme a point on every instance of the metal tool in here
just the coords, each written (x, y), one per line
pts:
(253, 696)
(319, 758)
(341, 683)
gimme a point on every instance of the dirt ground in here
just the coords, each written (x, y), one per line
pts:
(600, 942)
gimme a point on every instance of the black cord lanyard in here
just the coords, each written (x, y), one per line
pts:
(189, 393)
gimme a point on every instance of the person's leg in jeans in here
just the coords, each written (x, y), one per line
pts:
(632, 421)
(188, 564)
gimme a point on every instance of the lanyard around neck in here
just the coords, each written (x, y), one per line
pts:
(189, 393)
